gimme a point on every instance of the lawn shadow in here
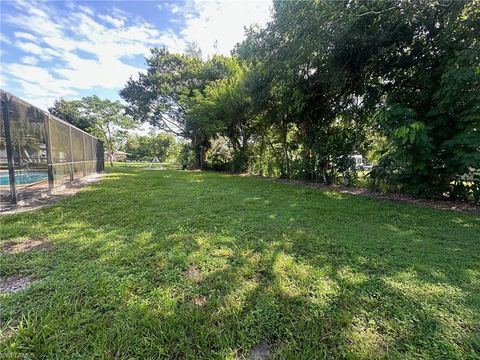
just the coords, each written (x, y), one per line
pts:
(304, 272)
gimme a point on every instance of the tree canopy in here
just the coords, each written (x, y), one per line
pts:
(394, 81)
(161, 96)
(146, 147)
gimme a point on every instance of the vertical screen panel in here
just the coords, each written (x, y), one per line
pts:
(94, 156)
(77, 154)
(4, 180)
(88, 153)
(61, 174)
(29, 143)
(61, 152)
(60, 138)
(100, 157)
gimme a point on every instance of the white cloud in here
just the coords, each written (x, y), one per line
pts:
(222, 22)
(30, 74)
(85, 50)
(25, 36)
(45, 53)
(29, 48)
(5, 39)
(173, 42)
(29, 60)
(3, 81)
(174, 9)
(86, 9)
(113, 21)
(215, 25)
(82, 53)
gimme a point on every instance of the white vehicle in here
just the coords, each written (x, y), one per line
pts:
(360, 163)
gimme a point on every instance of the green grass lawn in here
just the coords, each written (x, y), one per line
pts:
(190, 265)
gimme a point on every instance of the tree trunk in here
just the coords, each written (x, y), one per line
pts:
(285, 171)
(199, 157)
(262, 151)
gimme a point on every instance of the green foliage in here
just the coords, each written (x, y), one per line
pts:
(343, 71)
(163, 95)
(109, 122)
(324, 80)
(224, 109)
(102, 118)
(220, 155)
(186, 156)
(71, 112)
(459, 98)
(429, 80)
(162, 145)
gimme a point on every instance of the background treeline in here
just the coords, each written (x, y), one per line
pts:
(108, 121)
(163, 146)
(395, 81)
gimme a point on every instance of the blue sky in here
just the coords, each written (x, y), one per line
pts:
(70, 49)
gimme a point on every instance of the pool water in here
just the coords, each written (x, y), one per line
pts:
(24, 178)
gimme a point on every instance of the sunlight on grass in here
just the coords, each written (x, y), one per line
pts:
(156, 264)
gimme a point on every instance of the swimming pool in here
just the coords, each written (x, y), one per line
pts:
(24, 178)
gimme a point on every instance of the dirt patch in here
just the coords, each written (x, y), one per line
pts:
(194, 274)
(13, 247)
(15, 283)
(395, 197)
(6, 333)
(260, 352)
(49, 198)
(200, 300)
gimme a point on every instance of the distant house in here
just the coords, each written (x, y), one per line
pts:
(119, 156)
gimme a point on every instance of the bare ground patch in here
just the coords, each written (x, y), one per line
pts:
(15, 283)
(200, 300)
(6, 333)
(194, 274)
(15, 247)
(49, 198)
(261, 351)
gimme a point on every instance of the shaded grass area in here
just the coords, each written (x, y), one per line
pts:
(186, 265)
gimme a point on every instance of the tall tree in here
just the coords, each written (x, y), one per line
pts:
(341, 70)
(224, 109)
(109, 122)
(161, 95)
(70, 111)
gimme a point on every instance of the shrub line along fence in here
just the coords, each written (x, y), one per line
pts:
(39, 151)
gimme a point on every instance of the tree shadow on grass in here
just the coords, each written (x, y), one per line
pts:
(314, 280)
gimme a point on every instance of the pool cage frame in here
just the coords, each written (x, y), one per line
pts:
(86, 163)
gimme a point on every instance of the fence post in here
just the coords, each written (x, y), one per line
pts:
(100, 156)
(9, 147)
(49, 154)
(84, 156)
(71, 153)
